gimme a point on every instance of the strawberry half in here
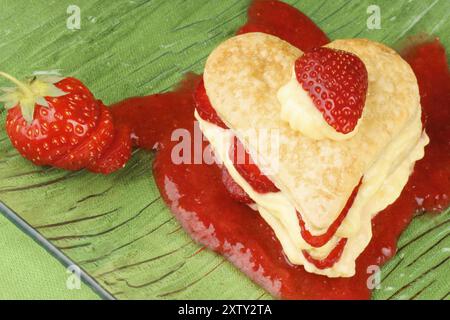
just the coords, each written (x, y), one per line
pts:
(244, 164)
(337, 83)
(204, 107)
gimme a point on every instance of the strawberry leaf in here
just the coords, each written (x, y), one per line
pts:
(42, 102)
(53, 91)
(27, 109)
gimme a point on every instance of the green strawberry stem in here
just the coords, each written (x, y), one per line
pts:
(21, 86)
(23, 97)
(27, 95)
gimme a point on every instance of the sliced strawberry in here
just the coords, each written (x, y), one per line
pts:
(331, 259)
(117, 155)
(234, 190)
(244, 164)
(204, 107)
(285, 22)
(337, 83)
(92, 147)
(320, 240)
(57, 121)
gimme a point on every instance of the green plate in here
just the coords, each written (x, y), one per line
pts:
(117, 228)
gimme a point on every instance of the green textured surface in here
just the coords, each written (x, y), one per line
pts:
(27, 271)
(117, 227)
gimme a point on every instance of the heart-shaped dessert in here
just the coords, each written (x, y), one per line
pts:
(322, 192)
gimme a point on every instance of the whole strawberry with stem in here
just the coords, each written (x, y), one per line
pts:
(57, 121)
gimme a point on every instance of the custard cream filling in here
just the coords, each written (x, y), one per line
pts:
(298, 109)
(382, 184)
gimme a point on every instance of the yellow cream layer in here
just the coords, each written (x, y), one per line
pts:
(381, 185)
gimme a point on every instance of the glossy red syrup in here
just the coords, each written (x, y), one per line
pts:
(199, 199)
(153, 118)
(284, 21)
(430, 182)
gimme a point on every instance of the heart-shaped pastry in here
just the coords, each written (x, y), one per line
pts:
(316, 178)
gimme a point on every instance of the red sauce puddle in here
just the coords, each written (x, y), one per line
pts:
(196, 195)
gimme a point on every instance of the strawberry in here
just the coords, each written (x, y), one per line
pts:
(204, 107)
(249, 170)
(337, 83)
(49, 117)
(234, 190)
(117, 155)
(58, 122)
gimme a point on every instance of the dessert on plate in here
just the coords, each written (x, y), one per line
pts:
(323, 150)
(327, 183)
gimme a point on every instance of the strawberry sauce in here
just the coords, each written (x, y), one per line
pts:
(285, 22)
(199, 199)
